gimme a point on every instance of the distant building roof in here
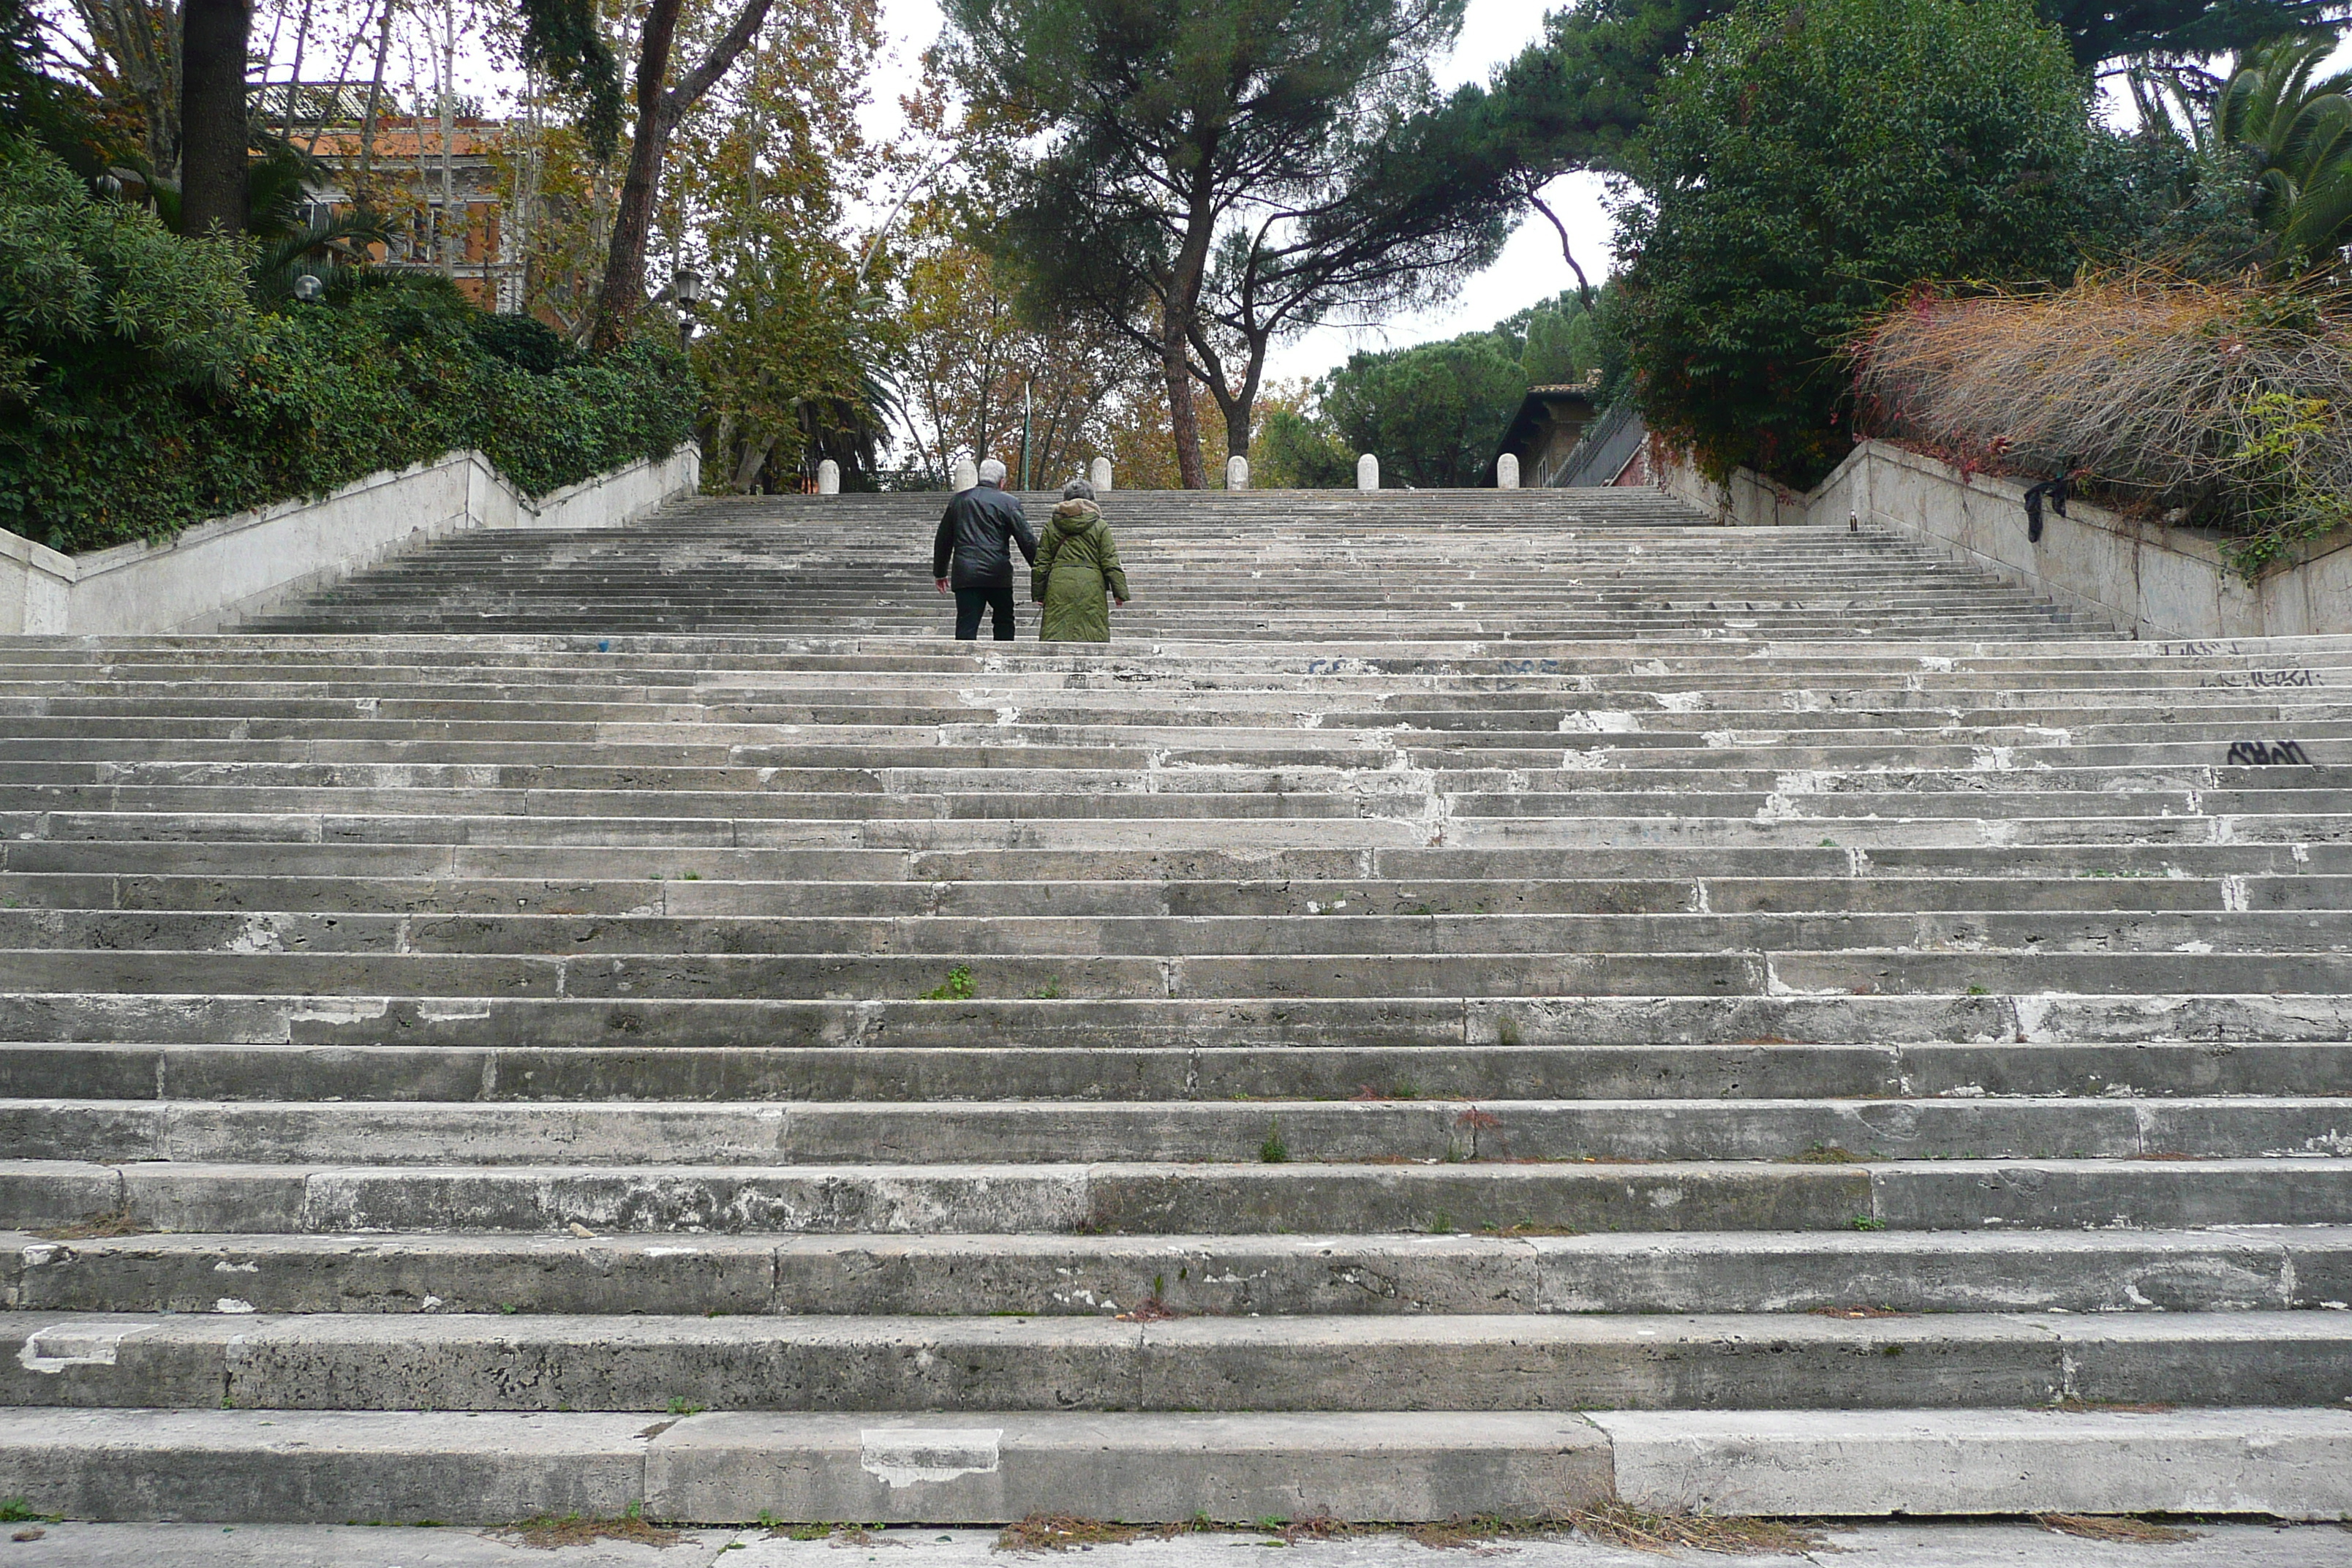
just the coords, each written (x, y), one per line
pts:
(1535, 412)
(396, 140)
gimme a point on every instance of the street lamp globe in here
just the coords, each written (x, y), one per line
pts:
(685, 287)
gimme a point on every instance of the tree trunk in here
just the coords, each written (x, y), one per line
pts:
(659, 109)
(363, 195)
(1174, 365)
(755, 457)
(1240, 407)
(212, 116)
(451, 236)
(623, 294)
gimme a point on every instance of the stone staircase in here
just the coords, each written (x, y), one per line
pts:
(1475, 1002)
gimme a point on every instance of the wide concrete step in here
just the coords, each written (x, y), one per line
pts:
(958, 937)
(1862, 1273)
(1322, 870)
(1082, 1071)
(1377, 1131)
(993, 1467)
(1491, 1361)
(1080, 973)
(700, 897)
(1146, 1198)
(2216, 1022)
(1262, 829)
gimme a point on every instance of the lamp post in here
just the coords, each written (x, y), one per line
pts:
(685, 288)
(1028, 415)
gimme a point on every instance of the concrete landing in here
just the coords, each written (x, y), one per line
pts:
(2009, 1544)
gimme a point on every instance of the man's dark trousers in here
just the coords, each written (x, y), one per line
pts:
(977, 534)
(970, 601)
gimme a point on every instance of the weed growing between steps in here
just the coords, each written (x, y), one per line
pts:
(958, 987)
(548, 1533)
(1622, 1524)
(110, 1226)
(2115, 1527)
(1061, 1532)
(1274, 1150)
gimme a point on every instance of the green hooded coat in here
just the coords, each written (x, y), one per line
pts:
(1075, 563)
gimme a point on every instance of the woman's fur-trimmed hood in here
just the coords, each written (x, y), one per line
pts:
(1076, 516)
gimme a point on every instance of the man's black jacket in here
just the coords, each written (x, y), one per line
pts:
(974, 531)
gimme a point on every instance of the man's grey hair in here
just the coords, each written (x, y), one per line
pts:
(992, 472)
(1078, 490)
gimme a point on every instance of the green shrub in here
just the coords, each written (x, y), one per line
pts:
(141, 391)
(1805, 162)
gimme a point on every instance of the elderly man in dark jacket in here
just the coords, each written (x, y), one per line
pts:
(979, 529)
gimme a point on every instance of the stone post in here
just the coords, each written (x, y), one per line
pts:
(967, 474)
(1368, 472)
(1100, 476)
(828, 477)
(1506, 471)
(1237, 472)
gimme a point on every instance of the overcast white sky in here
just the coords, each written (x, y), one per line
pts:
(1529, 268)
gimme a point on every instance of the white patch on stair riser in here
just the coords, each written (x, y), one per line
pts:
(257, 935)
(1600, 722)
(60, 1345)
(913, 1456)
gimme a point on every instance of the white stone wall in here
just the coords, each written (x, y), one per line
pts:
(2154, 581)
(215, 574)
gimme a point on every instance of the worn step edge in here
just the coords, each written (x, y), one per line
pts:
(1142, 1199)
(988, 1469)
(1485, 1362)
(2247, 1269)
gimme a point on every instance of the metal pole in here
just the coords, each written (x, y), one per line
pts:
(1028, 406)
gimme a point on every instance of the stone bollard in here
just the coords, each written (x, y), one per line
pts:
(967, 474)
(1100, 476)
(828, 477)
(1506, 471)
(1236, 472)
(1368, 472)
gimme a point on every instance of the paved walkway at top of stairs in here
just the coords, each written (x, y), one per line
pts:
(1305, 564)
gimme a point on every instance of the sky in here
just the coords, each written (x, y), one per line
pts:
(1530, 270)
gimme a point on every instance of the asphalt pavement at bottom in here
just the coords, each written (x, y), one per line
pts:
(1878, 1545)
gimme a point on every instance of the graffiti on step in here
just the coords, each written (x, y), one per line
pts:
(2263, 678)
(2196, 649)
(2266, 753)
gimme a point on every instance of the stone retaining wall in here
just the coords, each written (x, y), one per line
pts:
(215, 574)
(2154, 581)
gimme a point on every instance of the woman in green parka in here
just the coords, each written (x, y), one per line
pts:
(1077, 564)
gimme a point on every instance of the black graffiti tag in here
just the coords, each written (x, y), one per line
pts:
(2266, 753)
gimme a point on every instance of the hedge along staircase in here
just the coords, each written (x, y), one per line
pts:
(1476, 1001)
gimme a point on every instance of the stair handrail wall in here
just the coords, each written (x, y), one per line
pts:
(2150, 580)
(210, 576)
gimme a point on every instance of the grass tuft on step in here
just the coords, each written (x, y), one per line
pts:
(549, 1532)
(2113, 1527)
(1061, 1532)
(108, 1225)
(1639, 1529)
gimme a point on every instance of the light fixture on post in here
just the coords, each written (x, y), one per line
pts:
(308, 288)
(685, 288)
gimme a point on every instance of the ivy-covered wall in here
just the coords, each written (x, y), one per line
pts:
(143, 388)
